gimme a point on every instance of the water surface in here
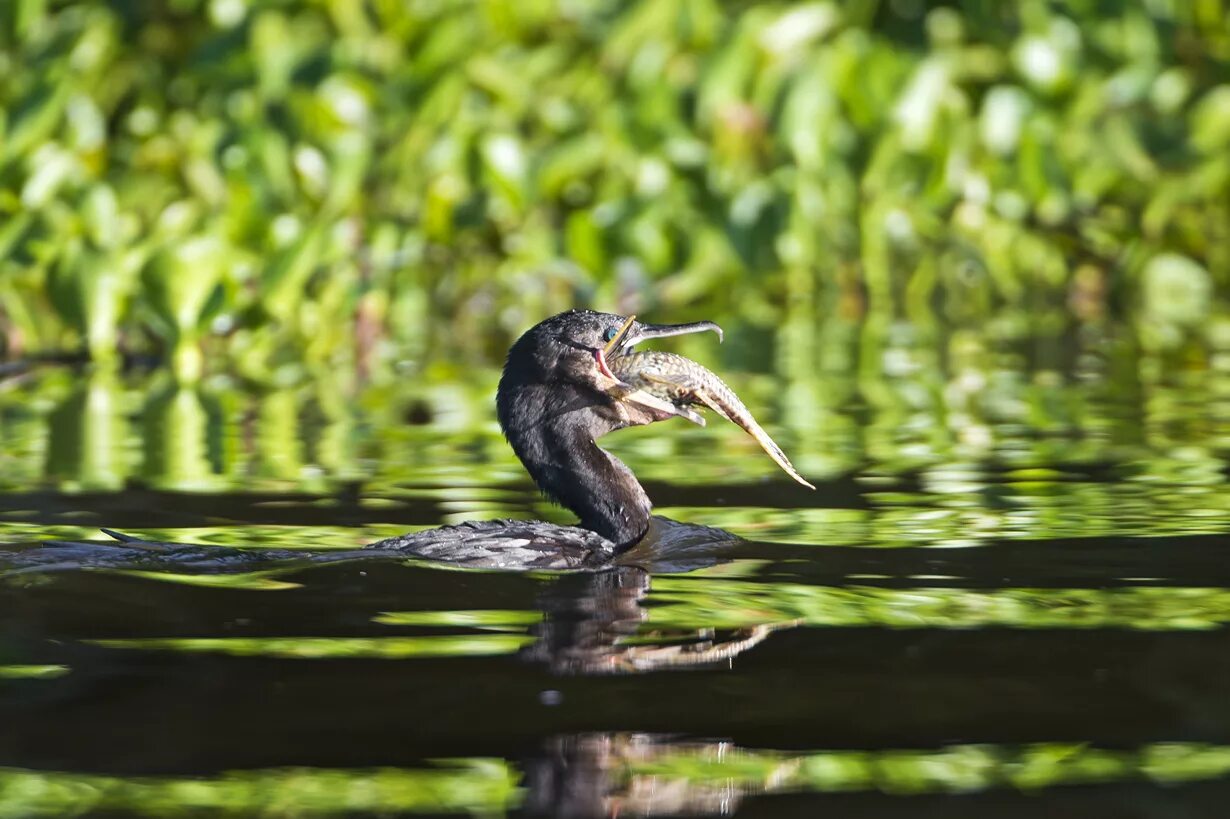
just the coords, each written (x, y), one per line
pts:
(1009, 596)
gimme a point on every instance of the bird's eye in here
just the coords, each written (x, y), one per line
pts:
(610, 333)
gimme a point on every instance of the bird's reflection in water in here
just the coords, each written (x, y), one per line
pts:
(588, 619)
(589, 622)
(612, 774)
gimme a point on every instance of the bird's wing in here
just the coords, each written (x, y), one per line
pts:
(504, 544)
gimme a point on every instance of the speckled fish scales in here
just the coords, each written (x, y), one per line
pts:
(683, 382)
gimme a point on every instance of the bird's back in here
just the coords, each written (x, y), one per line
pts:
(504, 544)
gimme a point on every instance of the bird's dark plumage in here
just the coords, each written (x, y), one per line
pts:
(506, 544)
(554, 400)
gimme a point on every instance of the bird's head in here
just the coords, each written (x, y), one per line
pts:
(562, 364)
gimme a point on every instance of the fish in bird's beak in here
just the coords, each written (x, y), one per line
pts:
(621, 344)
(669, 385)
(632, 333)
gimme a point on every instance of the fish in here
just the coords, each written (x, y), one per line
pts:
(684, 383)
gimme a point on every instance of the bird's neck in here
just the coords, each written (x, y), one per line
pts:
(561, 456)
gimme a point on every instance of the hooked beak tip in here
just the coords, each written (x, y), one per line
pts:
(648, 331)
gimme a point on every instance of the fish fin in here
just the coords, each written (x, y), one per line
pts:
(682, 411)
(654, 403)
(691, 415)
(687, 393)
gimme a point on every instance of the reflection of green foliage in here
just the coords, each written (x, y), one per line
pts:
(489, 787)
(471, 645)
(42, 672)
(87, 435)
(718, 598)
(479, 786)
(962, 768)
(697, 602)
(289, 184)
(253, 581)
(923, 480)
(176, 441)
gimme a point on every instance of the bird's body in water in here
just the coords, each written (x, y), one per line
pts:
(567, 381)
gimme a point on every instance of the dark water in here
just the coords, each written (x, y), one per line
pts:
(1014, 605)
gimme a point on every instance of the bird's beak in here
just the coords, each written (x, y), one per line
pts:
(632, 333)
(636, 333)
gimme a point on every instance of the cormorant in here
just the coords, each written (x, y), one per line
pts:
(556, 396)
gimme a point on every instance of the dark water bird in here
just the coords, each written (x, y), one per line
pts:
(567, 382)
(557, 396)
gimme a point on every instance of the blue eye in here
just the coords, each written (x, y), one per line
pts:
(610, 333)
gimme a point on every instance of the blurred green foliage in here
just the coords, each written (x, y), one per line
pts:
(313, 183)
